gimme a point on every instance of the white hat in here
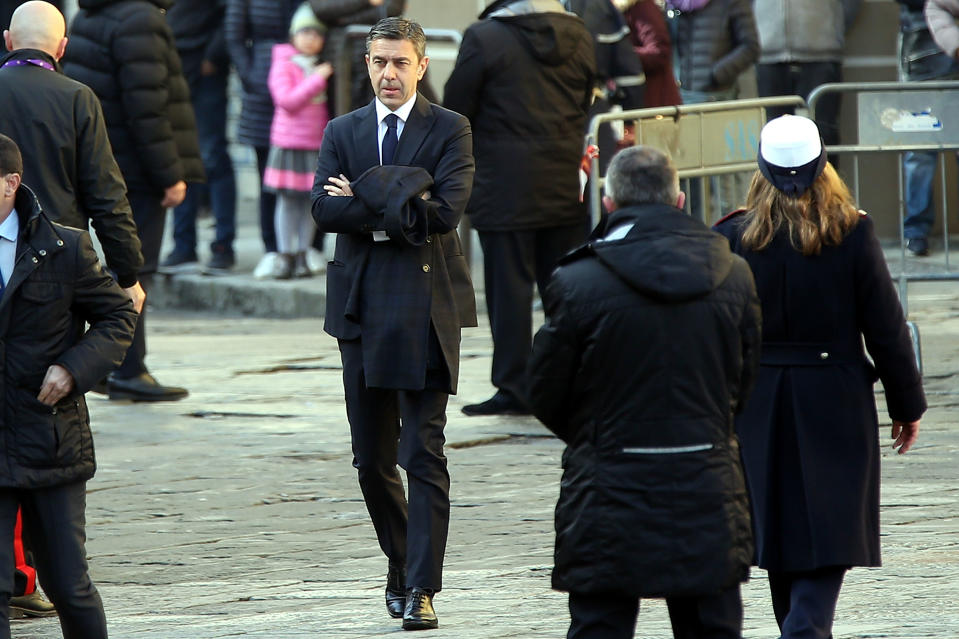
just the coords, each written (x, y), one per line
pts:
(791, 153)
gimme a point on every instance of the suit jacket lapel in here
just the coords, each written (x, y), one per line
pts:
(365, 144)
(414, 131)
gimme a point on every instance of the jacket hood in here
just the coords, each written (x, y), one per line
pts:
(550, 34)
(93, 5)
(666, 255)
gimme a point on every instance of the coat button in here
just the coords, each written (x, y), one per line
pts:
(35, 260)
(43, 252)
(59, 242)
(824, 356)
(53, 411)
(429, 240)
(426, 268)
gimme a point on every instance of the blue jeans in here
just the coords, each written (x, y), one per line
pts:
(208, 95)
(920, 170)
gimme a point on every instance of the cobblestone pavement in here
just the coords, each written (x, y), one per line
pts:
(236, 512)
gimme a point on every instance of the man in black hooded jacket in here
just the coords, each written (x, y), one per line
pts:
(651, 346)
(524, 77)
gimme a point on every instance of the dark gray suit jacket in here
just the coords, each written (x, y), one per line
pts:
(388, 293)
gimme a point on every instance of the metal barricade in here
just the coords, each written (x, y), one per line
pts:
(896, 117)
(712, 138)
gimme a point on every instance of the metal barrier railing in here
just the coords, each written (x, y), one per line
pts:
(711, 138)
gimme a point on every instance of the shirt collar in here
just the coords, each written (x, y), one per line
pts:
(10, 227)
(403, 112)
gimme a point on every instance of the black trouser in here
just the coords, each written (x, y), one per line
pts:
(805, 602)
(267, 203)
(718, 616)
(406, 427)
(800, 78)
(54, 520)
(512, 262)
(150, 218)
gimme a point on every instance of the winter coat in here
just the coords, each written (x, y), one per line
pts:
(69, 162)
(525, 82)
(301, 106)
(650, 346)
(338, 15)
(651, 41)
(715, 44)
(941, 17)
(56, 287)
(124, 51)
(198, 30)
(252, 28)
(809, 432)
(803, 30)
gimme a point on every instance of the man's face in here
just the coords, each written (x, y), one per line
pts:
(394, 70)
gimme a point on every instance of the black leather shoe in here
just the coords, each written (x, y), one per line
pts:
(32, 605)
(143, 388)
(396, 591)
(498, 404)
(918, 246)
(419, 614)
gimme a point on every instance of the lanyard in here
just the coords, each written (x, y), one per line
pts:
(33, 61)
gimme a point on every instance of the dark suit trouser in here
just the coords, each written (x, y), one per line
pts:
(512, 262)
(718, 616)
(150, 218)
(54, 521)
(395, 426)
(805, 602)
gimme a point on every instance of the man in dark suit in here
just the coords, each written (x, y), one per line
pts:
(393, 180)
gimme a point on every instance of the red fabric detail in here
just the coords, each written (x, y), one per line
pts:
(20, 558)
(729, 216)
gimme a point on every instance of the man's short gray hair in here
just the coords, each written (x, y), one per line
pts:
(397, 28)
(642, 175)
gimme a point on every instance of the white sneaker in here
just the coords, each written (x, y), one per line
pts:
(315, 261)
(271, 264)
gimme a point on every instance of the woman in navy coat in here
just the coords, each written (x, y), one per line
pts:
(809, 431)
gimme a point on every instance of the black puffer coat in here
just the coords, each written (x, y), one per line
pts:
(56, 287)
(252, 28)
(525, 82)
(651, 346)
(714, 44)
(124, 51)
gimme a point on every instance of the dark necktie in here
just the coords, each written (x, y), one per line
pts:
(389, 140)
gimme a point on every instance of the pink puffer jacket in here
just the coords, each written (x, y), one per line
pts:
(301, 111)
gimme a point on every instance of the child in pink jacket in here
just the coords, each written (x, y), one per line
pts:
(297, 82)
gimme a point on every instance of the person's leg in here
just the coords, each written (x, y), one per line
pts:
(286, 223)
(551, 245)
(811, 75)
(25, 574)
(267, 204)
(602, 616)
(809, 611)
(209, 98)
(509, 271)
(149, 216)
(772, 80)
(9, 503)
(184, 229)
(919, 168)
(421, 455)
(718, 616)
(374, 419)
(55, 520)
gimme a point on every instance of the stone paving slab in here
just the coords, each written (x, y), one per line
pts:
(236, 513)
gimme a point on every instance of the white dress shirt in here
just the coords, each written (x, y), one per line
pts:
(402, 113)
(9, 230)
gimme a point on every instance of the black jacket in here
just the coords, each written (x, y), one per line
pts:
(389, 294)
(68, 160)
(198, 30)
(808, 432)
(525, 82)
(124, 51)
(714, 44)
(651, 345)
(252, 28)
(57, 285)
